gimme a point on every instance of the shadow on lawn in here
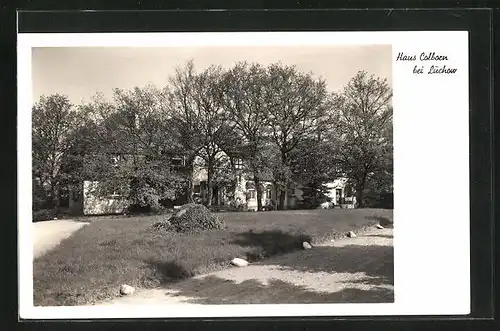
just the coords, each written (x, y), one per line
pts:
(269, 243)
(262, 245)
(389, 236)
(372, 285)
(216, 290)
(168, 271)
(382, 220)
(375, 262)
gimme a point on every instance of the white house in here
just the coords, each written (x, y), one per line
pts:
(83, 199)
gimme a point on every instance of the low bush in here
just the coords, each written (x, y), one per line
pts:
(192, 218)
(313, 197)
(43, 215)
(146, 210)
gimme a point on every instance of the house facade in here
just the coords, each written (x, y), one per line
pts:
(84, 200)
(340, 194)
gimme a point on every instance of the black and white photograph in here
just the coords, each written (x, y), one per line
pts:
(222, 174)
(218, 175)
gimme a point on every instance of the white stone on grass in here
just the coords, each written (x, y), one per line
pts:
(325, 205)
(351, 234)
(378, 226)
(180, 212)
(306, 245)
(126, 289)
(239, 262)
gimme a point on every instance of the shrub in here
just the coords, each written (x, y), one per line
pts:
(379, 200)
(313, 196)
(386, 222)
(164, 225)
(192, 218)
(43, 215)
(146, 210)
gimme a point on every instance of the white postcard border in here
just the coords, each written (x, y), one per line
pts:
(431, 176)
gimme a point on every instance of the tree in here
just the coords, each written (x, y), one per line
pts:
(81, 145)
(297, 104)
(230, 163)
(244, 99)
(313, 165)
(214, 124)
(185, 119)
(53, 121)
(133, 148)
(364, 132)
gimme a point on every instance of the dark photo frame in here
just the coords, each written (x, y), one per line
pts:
(479, 24)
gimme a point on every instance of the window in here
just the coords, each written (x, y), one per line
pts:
(176, 163)
(115, 160)
(268, 193)
(238, 163)
(251, 194)
(115, 195)
(197, 189)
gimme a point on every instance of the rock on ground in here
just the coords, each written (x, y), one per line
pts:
(306, 245)
(126, 289)
(239, 262)
(378, 226)
(325, 205)
(180, 213)
(351, 234)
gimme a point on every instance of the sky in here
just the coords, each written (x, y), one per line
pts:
(81, 72)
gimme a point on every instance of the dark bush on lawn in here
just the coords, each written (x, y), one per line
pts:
(192, 218)
(43, 215)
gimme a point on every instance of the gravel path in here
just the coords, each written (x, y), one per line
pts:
(350, 270)
(49, 234)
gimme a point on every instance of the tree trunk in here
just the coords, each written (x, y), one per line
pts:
(210, 185)
(360, 187)
(190, 173)
(134, 191)
(283, 190)
(274, 196)
(282, 197)
(256, 180)
(54, 196)
(234, 188)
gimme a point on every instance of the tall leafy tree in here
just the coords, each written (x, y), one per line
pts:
(53, 121)
(214, 125)
(132, 155)
(245, 100)
(313, 165)
(364, 132)
(297, 104)
(186, 120)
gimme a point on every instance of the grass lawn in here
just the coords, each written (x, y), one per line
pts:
(91, 265)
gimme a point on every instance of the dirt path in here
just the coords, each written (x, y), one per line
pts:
(350, 270)
(48, 234)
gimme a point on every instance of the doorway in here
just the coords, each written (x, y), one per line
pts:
(338, 196)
